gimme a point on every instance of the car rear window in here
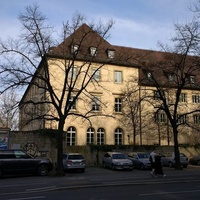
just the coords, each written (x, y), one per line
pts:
(119, 156)
(143, 155)
(75, 157)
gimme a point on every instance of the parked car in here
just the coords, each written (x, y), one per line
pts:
(117, 160)
(169, 160)
(73, 161)
(140, 160)
(19, 162)
(195, 160)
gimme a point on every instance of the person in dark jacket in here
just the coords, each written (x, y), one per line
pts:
(158, 166)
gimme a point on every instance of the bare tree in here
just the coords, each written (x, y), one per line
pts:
(175, 71)
(9, 109)
(51, 70)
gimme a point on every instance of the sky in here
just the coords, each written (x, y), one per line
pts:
(138, 23)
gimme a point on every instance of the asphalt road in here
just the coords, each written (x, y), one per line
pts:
(100, 183)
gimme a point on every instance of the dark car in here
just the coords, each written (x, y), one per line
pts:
(195, 160)
(140, 160)
(117, 160)
(73, 161)
(19, 162)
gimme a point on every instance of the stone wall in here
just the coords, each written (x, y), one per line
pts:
(44, 146)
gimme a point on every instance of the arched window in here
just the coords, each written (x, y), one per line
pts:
(118, 136)
(90, 136)
(71, 136)
(100, 136)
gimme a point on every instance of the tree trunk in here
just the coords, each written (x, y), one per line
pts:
(60, 170)
(176, 150)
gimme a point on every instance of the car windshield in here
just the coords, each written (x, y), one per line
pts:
(143, 155)
(75, 157)
(119, 156)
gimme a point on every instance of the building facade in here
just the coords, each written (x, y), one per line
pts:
(122, 103)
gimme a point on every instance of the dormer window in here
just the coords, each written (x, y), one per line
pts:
(111, 53)
(149, 75)
(170, 77)
(192, 80)
(74, 48)
(93, 51)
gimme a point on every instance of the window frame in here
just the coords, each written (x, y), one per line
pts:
(118, 135)
(111, 53)
(72, 74)
(90, 136)
(196, 119)
(192, 79)
(96, 74)
(71, 136)
(118, 105)
(71, 99)
(196, 98)
(93, 51)
(160, 117)
(74, 48)
(100, 136)
(183, 98)
(96, 103)
(118, 76)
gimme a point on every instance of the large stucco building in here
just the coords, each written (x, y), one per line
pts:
(119, 118)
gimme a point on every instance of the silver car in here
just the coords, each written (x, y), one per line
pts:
(117, 160)
(169, 160)
(140, 160)
(73, 161)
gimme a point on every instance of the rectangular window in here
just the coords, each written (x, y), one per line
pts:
(183, 97)
(72, 72)
(71, 138)
(96, 103)
(196, 98)
(156, 95)
(182, 119)
(72, 102)
(118, 76)
(196, 119)
(96, 74)
(118, 105)
(100, 136)
(160, 117)
(90, 136)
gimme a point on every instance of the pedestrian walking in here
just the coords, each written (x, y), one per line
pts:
(152, 161)
(158, 166)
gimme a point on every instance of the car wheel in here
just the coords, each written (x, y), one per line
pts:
(43, 170)
(142, 166)
(113, 167)
(170, 164)
(185, 166)
(198, 162)
(104, 164)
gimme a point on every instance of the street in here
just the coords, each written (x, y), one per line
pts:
(103, 184)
